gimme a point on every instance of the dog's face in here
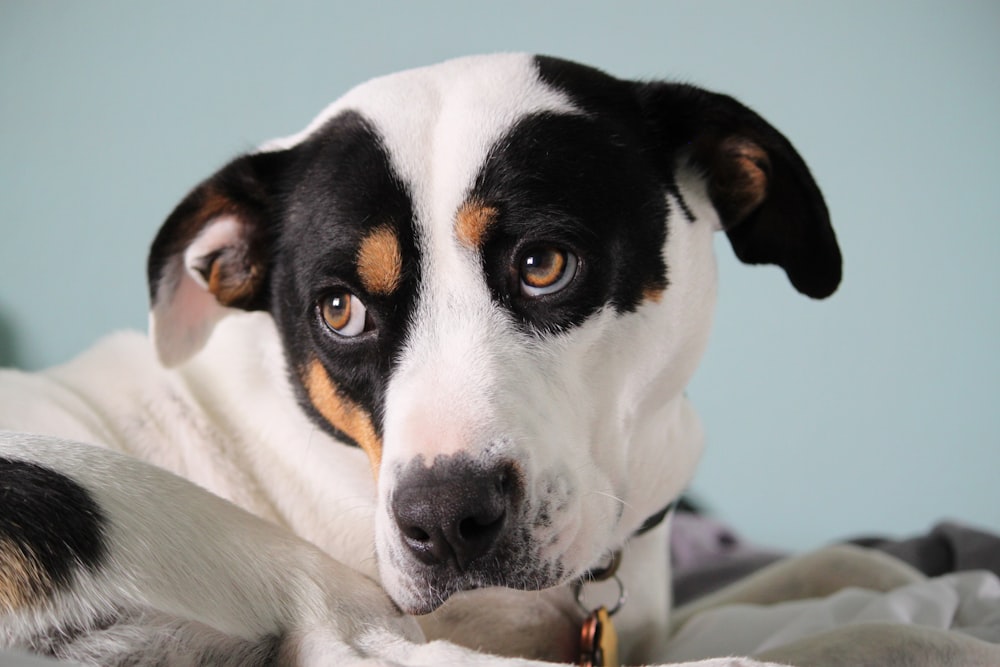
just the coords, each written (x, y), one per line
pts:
(495, 276)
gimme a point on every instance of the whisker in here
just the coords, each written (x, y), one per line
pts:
(613, 497)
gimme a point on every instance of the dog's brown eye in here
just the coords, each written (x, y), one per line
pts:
(343, 313)
(546, 270)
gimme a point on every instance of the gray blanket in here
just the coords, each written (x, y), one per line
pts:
(707, 554)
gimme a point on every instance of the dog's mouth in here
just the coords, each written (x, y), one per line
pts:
(460, 524)
(419, 588)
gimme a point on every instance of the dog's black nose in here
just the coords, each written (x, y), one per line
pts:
(453, 510)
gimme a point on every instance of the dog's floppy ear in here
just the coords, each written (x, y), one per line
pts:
(768, 202)
(211, 255)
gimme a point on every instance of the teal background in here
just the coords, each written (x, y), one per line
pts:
(874, 411)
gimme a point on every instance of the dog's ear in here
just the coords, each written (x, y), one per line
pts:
(770, 206)
(211, 255)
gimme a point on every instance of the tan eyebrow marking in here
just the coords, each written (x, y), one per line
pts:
(380, 263)
(343, 414)
(472, 222)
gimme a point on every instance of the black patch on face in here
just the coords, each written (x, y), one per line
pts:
(580, 183)
(340, 187)
(591, 89)
(51, 520)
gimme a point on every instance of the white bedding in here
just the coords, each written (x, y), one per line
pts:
(966, 601)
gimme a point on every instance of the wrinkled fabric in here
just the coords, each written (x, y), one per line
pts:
(948, 547)
(706, 554)
(967, 602)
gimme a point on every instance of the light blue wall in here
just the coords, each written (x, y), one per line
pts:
(875, 411)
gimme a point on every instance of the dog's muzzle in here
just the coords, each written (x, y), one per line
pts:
(461, 526)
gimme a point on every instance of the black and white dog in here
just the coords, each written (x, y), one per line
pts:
(437, 340)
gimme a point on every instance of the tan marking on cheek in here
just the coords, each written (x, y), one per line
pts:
(380, 264)
(343, 414)
(472, 222)
(22, 580)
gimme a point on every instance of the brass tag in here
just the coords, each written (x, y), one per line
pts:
(598, 640)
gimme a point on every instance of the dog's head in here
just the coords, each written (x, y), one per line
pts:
(495, 276)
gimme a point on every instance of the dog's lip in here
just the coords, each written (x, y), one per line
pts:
(424, 594)
(417, 604)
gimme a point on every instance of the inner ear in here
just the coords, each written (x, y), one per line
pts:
(739, 176)
(219, 271)
(226, 263)
(211, 256)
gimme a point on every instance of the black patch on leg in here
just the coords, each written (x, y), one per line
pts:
(49, 526)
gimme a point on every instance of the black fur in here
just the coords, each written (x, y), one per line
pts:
(343, 187)
(53, 521)
(791, 227)
(583, 184)
(680, 123)
(305, 211)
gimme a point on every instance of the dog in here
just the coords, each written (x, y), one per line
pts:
(438, 340)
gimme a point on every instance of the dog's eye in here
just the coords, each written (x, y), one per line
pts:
(546, 270)
(343, 313)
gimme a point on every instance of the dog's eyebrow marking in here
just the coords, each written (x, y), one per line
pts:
(472, 222)
(343, 414)
(380, 264)
(22, 579)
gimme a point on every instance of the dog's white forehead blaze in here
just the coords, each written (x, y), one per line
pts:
(438, 125)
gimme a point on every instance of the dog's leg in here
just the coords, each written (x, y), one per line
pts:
(812, 575)
(158, 571)
(144, 638)
(108, 560)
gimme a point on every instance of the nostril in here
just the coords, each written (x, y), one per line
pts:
(426, 543)
(415, 533)
(503, 484)
(477, 527)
